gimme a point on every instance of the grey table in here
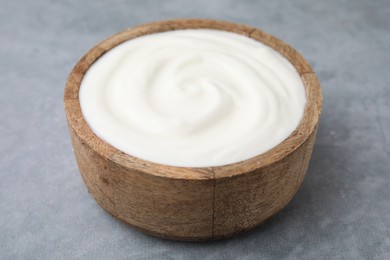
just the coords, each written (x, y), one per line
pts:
(342, 210)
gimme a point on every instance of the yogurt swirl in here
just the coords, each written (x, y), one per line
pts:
(192, 98)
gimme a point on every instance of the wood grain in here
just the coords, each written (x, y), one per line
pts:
(192, 203)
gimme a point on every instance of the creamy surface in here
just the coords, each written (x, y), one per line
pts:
(193, 98)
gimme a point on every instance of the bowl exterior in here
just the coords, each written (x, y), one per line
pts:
(195, 210)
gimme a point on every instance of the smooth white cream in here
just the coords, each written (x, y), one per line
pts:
(193, 98)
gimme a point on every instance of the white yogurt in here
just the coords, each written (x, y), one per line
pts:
(193, 98)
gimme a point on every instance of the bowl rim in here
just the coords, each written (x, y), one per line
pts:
(299, 136)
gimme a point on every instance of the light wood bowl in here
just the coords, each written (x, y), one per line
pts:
(184, 203)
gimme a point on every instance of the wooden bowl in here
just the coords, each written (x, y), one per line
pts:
(185, 203)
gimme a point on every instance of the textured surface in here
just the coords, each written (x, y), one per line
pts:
(342, 209)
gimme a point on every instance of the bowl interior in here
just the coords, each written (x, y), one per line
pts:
(297, 138)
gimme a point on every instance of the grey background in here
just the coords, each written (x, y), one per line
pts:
(342, 210)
